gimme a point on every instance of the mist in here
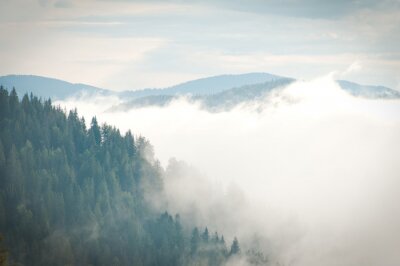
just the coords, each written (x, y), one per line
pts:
(309, 173)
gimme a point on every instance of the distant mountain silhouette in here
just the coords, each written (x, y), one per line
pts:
(46, 87)
(207, 86)
(368, 91)
(223, 100)
(214, 93)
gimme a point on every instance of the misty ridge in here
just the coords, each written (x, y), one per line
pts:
(302, 172)
(305, 171)
(217, 93)
(77, 195)
(199, 133)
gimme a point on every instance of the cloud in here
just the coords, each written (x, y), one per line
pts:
(311, 178)
(304, 8)
(96, 60)
(354, 67)
(63, 4)
(292, 38)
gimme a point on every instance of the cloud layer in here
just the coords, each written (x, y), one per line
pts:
(310, 173)
(136, 44)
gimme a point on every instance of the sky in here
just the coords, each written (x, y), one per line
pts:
(127, 45)
(325, 158)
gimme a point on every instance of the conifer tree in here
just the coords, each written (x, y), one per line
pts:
(76, 196)
(235, 249)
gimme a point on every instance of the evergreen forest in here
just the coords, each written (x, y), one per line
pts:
(72, 195)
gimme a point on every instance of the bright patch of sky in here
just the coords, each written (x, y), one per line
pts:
(136, 44)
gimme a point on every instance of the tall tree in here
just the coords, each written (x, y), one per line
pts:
(205, 236)
(72, 196)
(94, 131)
(235, 249)
(194, 241)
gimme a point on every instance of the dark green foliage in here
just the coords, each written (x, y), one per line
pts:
(256, 257)
(167, 240)
(76, 196)
(206, 251)
(205, 236)
(235, 249)
(194, 241)
(3, 253)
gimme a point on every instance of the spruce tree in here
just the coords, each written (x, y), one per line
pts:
(235, 249)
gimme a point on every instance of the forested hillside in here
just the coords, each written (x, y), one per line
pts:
(222, 101)
(71, 195)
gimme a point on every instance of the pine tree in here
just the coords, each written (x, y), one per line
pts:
(205, 236)
(235, 249)
(194, 241)
(215, 238)
(74, 196)
(94, 131)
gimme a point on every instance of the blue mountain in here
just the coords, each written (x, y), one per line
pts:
(46, 87)
(368, 91)
(206, 86)
(214, 92)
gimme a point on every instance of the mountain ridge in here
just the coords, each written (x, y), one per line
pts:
(46, 87)
(214, 91)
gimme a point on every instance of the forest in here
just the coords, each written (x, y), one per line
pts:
(72, 195)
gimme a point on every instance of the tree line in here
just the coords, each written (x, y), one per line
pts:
(72, 195)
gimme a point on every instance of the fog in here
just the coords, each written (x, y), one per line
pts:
(310, 174)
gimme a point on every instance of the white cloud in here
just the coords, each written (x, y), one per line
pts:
(204, 39)
(354, 67)
(313, 174)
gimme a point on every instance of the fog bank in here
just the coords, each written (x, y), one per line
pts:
(310, 173)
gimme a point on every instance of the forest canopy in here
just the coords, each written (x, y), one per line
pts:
(72, 195)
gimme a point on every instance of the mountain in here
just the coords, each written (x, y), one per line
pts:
(46, 87)
(58, 89)
(214, 93)
(206, 86)
(221, 101)
(368, 91)
(212, 87)
(230, 98)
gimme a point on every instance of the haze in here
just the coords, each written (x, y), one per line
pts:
(136, 44)
(309, 171)
(309, 174)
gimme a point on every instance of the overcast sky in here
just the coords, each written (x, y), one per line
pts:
(136, 44)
